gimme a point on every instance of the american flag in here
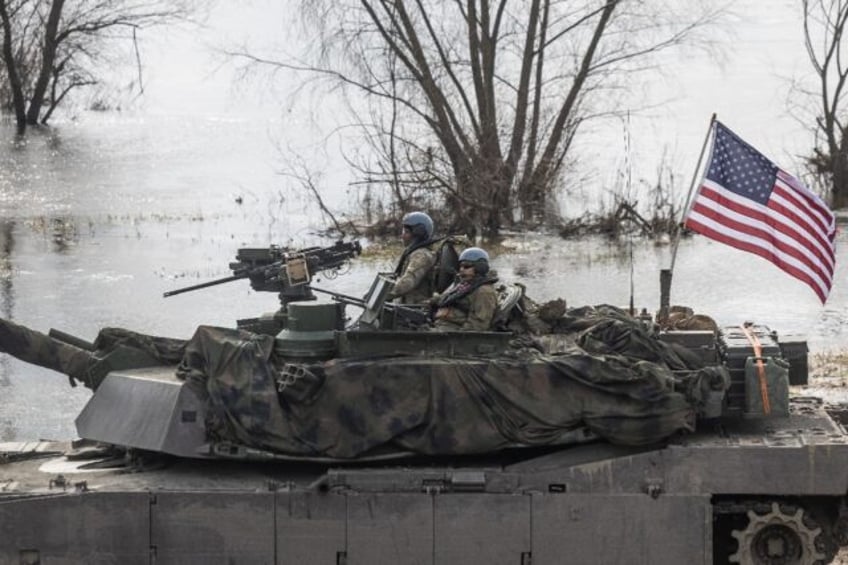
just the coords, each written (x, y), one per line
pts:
(748, 202)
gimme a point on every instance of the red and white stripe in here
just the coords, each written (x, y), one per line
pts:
(795, 230)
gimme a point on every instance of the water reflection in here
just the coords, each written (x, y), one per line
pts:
(63, 233)
(6, 296)
(7, 244)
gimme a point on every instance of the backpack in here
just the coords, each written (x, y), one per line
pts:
(446, 265)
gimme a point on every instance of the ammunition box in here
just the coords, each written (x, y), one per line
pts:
(734, 351)
(700, 342)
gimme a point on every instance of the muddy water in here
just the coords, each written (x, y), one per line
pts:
(99, 218)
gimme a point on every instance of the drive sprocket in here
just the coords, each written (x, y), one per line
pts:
(778, 537)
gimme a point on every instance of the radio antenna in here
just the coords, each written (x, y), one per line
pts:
(628, 191)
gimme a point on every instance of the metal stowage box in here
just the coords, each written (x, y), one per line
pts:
(735, 349)
(701, 342)
(795, 351)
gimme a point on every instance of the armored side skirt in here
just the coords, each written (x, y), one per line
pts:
(369, 528)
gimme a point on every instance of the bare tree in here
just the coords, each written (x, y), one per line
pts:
(51, 47)
(824, 26)
(476, 103)
(15, 82)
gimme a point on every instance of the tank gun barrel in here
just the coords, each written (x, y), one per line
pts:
(58, 351)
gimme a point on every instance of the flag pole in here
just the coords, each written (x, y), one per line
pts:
(666, 274)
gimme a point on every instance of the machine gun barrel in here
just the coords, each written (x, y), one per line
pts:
(205, 285)
(276, 269)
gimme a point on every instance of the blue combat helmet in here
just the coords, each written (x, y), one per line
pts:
(420, 224)
(477, 256)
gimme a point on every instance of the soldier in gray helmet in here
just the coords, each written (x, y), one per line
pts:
(471, 302)
(413, 274)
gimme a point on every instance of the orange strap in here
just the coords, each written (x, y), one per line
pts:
(761, 369)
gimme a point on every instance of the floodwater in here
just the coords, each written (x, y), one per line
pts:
(99, 217)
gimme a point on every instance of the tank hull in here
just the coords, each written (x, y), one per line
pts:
(592, 503)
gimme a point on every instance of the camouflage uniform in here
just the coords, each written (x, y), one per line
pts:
(413, 286)
(472, 312)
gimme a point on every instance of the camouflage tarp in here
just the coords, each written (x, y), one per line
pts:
(80, 364)
(346, 408)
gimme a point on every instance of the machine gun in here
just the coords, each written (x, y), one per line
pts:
(283, 270)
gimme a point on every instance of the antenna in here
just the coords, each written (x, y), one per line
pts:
(628, 183)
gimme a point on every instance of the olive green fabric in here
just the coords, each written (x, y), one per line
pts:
(39, 349)
(169, 351)
(619, 385)
(78, 364)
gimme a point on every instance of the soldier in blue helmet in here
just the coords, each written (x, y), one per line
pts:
(413, 280)
(471, 302)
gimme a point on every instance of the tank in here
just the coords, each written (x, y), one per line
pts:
(325, 441)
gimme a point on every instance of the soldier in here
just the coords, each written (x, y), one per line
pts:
(471, 302)
(413, 278)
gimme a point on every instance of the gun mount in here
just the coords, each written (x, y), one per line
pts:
(287, 272)
(283, 270)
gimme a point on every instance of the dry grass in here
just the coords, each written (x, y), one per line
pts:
(829, 368)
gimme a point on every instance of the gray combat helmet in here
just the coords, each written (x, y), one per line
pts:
(420, 224)
(477, 256)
